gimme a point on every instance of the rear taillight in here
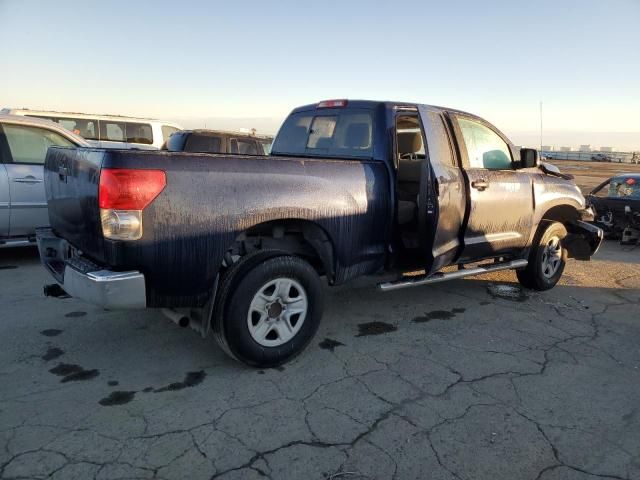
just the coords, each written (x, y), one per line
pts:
(128, 189)
(122, 196)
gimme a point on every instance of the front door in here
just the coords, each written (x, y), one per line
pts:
(441, 203)
(26, 147)
(500, 212)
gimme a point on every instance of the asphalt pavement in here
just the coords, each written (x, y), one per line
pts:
(472, 379)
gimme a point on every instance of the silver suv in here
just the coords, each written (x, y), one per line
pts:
(23, 147)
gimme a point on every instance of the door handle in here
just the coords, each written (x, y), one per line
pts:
(63, 173)
(28, 179)
(480, 184)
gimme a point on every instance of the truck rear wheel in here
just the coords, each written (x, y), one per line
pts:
(269, 309)
(547, 258)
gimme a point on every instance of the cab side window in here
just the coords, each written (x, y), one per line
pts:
(112, 131)
(30, 144)
(243, 146)
(485, 148)
(247, 147)
(139, 133)
(84, 127)
(266, 147)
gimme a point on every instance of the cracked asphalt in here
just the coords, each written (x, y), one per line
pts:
(472, 379)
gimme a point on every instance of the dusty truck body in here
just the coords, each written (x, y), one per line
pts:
(236, 245)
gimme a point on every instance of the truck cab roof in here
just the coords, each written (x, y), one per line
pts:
(373, 104)
(352, 129)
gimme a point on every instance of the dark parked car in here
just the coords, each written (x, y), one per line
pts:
(237, 244)
(215, 141)
(617, 206)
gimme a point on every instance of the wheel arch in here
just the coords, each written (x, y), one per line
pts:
(301, 237)
(571, 218)
(564, 213)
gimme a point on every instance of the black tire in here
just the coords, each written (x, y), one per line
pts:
(228, 281)
(540, 274)
(239, 286)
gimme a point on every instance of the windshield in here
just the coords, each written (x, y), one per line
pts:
(334, 133)
(624, 187)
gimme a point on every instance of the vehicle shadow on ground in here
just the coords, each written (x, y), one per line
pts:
(356, 315)
(11, 256)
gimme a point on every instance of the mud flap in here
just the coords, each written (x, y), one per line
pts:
(583, 240)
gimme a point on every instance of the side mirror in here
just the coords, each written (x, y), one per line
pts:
(528, 158)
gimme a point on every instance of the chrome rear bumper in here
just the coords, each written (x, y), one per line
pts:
(83, 279)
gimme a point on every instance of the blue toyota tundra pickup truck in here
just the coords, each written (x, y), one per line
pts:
(236, 245)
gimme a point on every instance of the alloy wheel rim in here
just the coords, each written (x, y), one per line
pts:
(277, 312)
(551, 257)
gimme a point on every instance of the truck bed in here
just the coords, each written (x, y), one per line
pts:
(211, 199)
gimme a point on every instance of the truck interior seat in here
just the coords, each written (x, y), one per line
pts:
(407, 211)
(409, 168)
(409, 161)
(409, 144)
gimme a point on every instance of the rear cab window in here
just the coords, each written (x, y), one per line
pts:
(337, 133)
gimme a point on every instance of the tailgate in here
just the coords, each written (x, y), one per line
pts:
(71, 178)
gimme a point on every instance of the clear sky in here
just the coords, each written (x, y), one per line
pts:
(248, 63)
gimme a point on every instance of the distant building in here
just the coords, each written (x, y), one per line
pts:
(565, 149)
(585, 148)
(547, 148)
(606, 149)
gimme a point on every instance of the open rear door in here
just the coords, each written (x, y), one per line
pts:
(442, 198)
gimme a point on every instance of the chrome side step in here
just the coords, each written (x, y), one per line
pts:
(444, 276)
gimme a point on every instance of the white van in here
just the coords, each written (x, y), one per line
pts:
(108, 131)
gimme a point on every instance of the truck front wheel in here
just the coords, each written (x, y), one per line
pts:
(271, 311)
(546, 260)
